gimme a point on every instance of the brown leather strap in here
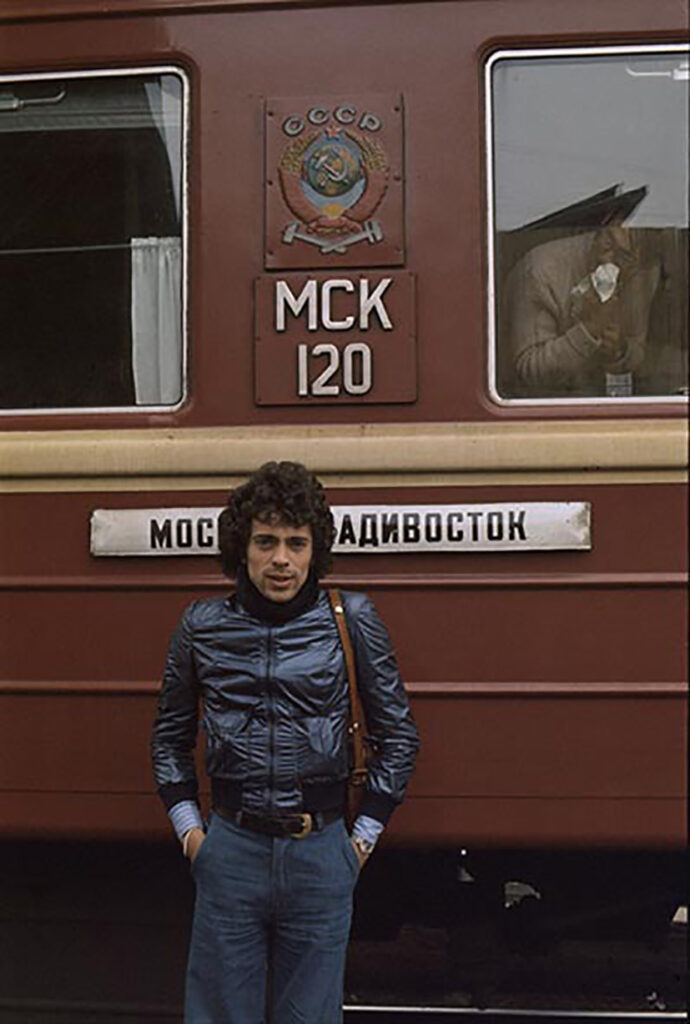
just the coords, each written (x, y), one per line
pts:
(358, 774)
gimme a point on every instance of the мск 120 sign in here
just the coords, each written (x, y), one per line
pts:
(362, 529)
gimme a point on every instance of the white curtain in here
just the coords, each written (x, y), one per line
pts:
(165, 103)
(157, 320)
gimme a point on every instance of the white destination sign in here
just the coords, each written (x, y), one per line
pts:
(363, 529)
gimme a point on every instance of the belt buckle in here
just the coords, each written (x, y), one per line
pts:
(306, 827)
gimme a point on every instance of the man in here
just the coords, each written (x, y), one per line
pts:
(276, 869)
(577, 314)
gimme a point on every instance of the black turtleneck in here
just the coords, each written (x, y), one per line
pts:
(275, 612)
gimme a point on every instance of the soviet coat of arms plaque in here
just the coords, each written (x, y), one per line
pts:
(334, 182)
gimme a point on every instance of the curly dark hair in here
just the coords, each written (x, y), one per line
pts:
(277, 492)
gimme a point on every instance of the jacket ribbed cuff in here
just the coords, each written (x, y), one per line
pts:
(377, 805)
(174, 792)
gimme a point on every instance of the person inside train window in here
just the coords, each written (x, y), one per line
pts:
(276, 869)
(91, 225)
(591, 282)
(578, 311)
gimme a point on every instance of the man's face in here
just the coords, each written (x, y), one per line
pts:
(278, 558)
(616, 244)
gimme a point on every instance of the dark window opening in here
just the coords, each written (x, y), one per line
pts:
(85, 168)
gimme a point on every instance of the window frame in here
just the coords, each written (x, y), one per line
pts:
(678, 401)
(128, 72)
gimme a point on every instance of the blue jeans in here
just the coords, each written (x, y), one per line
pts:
(261, 899)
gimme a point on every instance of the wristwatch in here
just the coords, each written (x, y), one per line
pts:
(362, 845)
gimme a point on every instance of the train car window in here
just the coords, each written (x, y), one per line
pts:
(588, 233)
(92, 240)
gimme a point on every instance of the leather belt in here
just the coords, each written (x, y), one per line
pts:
(285, 826)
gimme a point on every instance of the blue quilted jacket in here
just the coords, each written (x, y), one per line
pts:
(275, 706)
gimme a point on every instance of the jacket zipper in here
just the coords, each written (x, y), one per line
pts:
(271, 721)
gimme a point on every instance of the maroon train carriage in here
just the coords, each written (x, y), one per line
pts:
(369, 237)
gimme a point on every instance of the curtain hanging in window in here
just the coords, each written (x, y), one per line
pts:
(156, 320)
